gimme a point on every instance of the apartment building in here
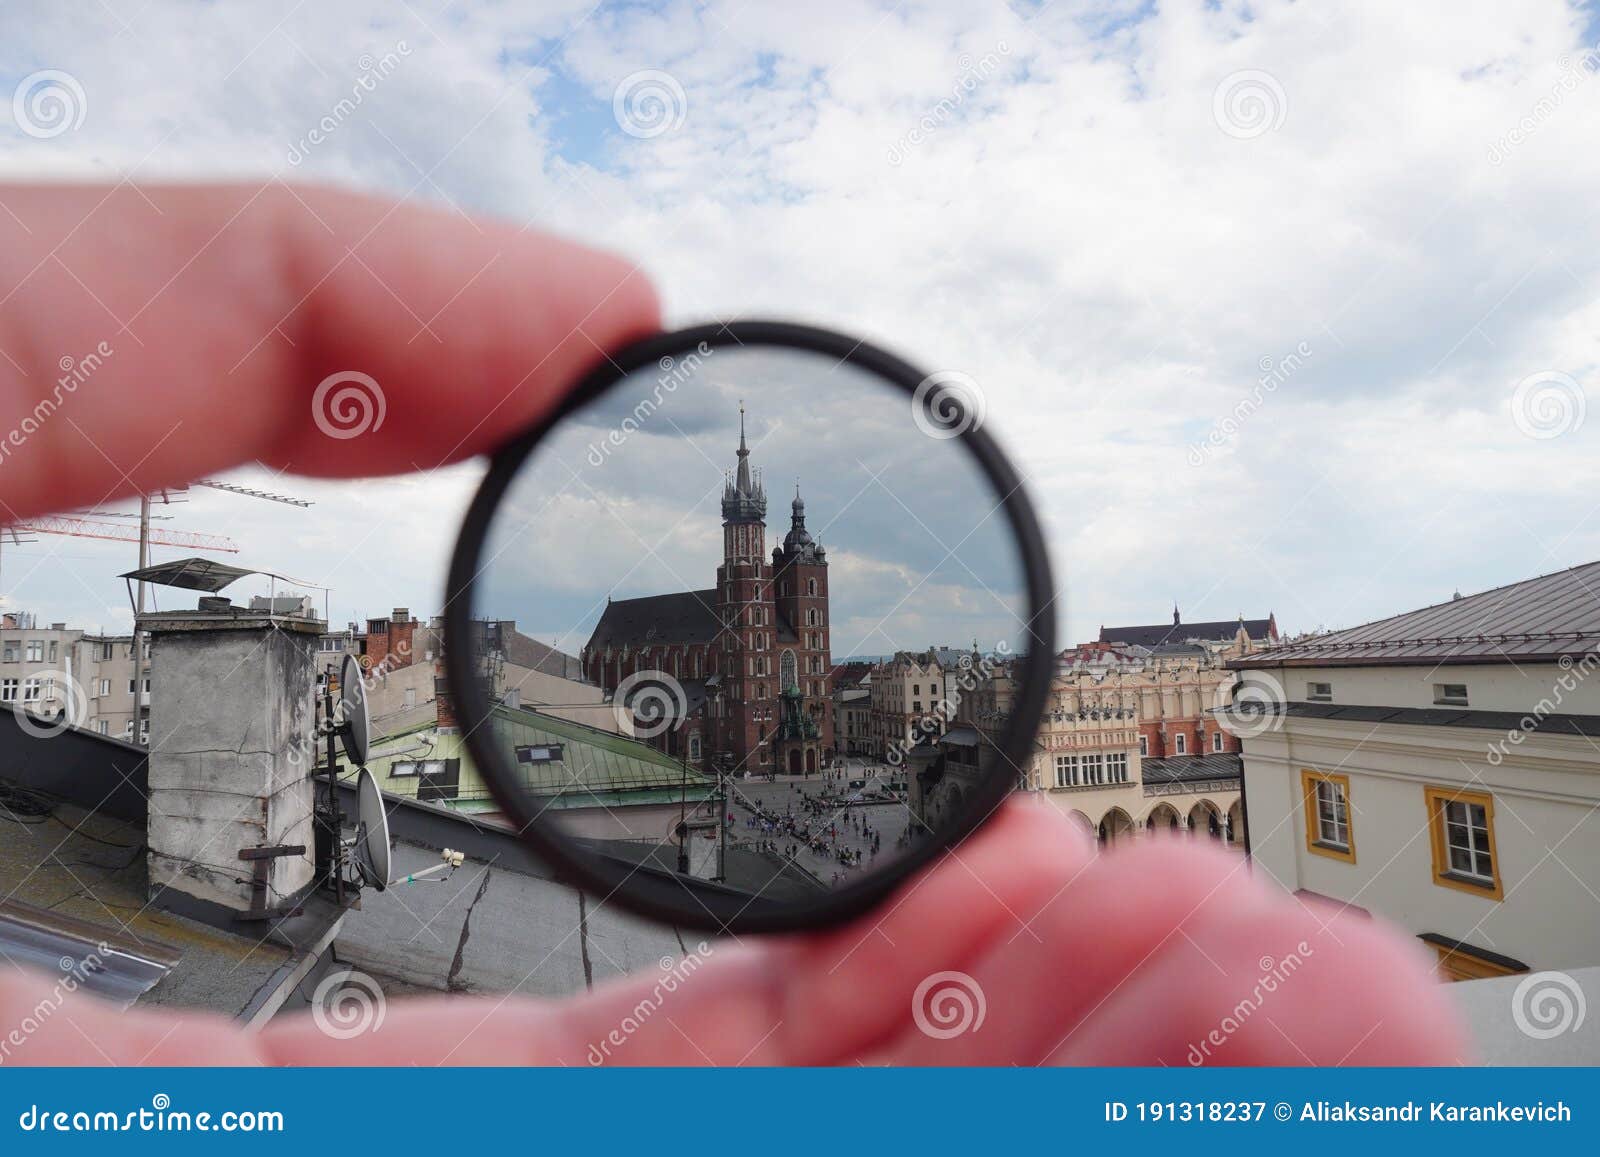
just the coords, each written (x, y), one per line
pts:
(1439, 768)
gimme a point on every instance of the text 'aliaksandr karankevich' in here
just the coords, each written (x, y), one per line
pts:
(1435, 1111)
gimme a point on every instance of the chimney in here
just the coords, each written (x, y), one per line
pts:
(444, 704)
(377, 652)
(231, 708)
(402, 639)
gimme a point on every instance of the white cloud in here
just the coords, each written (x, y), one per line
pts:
(1078, 234)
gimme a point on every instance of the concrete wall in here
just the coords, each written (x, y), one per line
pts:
(228, 705)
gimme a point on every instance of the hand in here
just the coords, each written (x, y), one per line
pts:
(225, 306)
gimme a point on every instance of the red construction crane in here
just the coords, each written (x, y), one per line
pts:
(117, 532)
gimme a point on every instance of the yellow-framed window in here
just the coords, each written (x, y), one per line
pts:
(1461, 826)
(1329, 831)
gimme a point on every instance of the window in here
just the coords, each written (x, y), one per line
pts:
(1180, 743)
(52, 650)
(36, 650)
(1144, 746)
(811, 587)
(1450, 694)
(30, 690)
(1093, 769)
(1216, 741)
(131, 683)
(1066, 770)
(127, 730)
(144, 731)
(1462, 827)
(694, 748)
(8, 690)
(10, 652)
(108, 651)
(1117, 767)
(540, 753)
(399, 769)
(1319, 692)
(105, 687)
(1327, 806)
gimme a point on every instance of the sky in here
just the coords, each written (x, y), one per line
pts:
(1279, 307)
(624, 501)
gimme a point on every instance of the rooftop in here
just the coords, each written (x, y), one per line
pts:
(1537, 620)
(1176, 632)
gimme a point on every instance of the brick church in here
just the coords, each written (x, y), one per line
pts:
(750, 653)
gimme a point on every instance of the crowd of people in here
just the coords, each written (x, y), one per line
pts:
(829, 824)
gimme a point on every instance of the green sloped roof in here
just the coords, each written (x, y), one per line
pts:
(597, 767)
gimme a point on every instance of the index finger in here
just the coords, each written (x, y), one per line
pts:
(152, 335)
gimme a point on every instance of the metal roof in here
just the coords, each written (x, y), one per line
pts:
(1187, 768)
(114, 967)
(1539, 619)
(201, 574)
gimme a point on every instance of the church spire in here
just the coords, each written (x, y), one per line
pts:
(743, 498)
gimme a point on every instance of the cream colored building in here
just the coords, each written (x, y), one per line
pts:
(1441, 769)
(89, 678)
(1088, 758)
(907, 693)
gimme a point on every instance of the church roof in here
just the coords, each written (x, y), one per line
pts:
(1164, 634)
(686, 617)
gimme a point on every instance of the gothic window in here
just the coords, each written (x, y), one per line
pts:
(786, 671)
(811, 587)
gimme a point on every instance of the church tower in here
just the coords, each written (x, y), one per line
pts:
(800, 582)
(744, 604)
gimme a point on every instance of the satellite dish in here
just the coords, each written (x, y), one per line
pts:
(355, 726)
(372, 833)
